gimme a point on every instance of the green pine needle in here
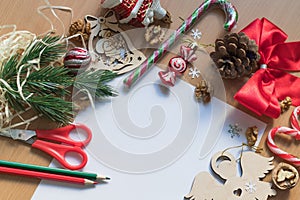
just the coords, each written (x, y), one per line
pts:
(51, 50)
(50, 80)
(55, 108)
(94, 82)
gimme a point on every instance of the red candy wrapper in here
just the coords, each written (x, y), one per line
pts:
(177, 65)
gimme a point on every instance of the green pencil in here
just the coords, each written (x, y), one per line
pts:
(86, 175)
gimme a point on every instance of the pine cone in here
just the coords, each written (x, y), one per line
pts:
(82, 28)
(235, 56)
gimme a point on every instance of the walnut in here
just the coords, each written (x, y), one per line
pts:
(202, 92)
(251, 135)
(285, 104)
(285, 176)
(155, 34)
(80, 27)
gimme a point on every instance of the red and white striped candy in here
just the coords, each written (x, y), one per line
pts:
(177, 65)
(77, 57)
(276, 150)
(294, 118)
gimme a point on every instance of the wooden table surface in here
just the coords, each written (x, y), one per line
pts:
(23, 13)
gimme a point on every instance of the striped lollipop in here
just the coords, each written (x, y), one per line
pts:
(231, 20)
(76, 58)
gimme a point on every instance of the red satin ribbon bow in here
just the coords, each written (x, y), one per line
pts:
(269, 85)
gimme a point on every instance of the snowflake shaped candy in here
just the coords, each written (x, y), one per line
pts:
(196, 34)
(194, 72)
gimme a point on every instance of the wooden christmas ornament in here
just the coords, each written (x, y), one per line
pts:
(248, 186)
(137, 12)
(110, 47)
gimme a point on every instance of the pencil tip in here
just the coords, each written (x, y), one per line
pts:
(89, 182)
(100, 177)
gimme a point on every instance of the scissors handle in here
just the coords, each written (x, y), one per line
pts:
(63, 135)
(58, 151)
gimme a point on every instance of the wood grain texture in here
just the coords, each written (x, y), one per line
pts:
(23, 13)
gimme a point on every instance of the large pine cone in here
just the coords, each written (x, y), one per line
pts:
(236, 56)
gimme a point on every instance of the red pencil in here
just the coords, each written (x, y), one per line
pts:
(43, 175)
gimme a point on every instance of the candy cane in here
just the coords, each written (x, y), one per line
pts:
(294, 118)
(231, 20)
(277, 151)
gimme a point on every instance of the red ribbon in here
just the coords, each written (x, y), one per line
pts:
(269, 85)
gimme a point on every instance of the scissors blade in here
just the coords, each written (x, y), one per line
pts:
(18, 134)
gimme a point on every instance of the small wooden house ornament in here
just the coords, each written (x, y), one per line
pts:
(248, 186)
(110, 47)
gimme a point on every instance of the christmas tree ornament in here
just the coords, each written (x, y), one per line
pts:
(231, 20)
(138, 13)
(248, 186)
(80, 27)
(272, 82)
(203, 92)
(178, 65)
(77, 58)
(285, 176)
(235, 56)
(110, 47)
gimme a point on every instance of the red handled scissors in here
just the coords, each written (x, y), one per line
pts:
(44, 140)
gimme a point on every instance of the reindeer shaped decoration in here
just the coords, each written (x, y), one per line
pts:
(246, 187)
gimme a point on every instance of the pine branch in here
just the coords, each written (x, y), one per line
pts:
(49, 80)
(94, 82)
(9, 69)
(46, 87)
(51, 50)
(55, 108)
